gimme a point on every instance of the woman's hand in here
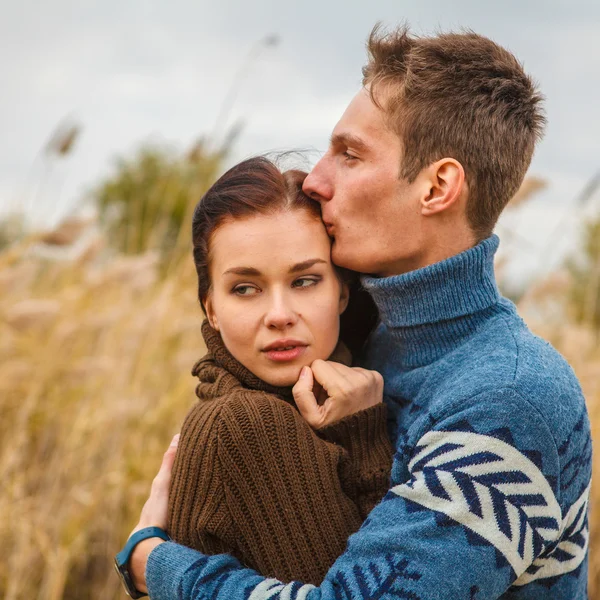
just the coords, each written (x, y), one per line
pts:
(154, 514)
(347, 390)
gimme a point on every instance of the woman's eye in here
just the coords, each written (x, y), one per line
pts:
(305, 282)
(245, 290)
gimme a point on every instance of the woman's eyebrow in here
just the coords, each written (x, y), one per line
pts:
(242, 271)
(306, 264)
(251, 271)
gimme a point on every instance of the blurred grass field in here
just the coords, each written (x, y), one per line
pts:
(94, 381)
(95, 359)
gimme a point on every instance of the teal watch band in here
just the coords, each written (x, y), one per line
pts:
(122, 558)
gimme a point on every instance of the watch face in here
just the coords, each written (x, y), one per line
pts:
(126, 581)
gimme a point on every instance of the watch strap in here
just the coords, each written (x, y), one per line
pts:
(142, 534)
(122, 559)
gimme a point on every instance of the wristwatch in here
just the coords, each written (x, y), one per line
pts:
(122, 559)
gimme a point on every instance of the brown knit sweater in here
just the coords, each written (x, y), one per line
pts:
(252, 479)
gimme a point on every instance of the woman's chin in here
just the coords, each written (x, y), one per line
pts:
(283, 376)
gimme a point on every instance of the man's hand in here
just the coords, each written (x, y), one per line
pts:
(347, 390)
(154, 514)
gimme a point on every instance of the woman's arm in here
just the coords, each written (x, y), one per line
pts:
(199, 514)
(345, 491)
(365, 476)
(362, 433)
(283, 488)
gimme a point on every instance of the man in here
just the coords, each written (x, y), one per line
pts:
(491, 475)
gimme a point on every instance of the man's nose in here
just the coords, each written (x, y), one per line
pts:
(280, 313)
(317, 184)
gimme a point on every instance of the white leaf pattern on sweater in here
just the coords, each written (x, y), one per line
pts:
(269, 588)
(487, 485)
(266, 589)
(570, 551)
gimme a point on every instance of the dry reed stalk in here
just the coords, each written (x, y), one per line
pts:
(67, 233)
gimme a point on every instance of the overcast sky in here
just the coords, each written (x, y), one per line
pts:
(139, 70)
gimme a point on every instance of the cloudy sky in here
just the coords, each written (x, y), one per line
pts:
(140, 70)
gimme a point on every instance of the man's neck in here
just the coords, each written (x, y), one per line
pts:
(434, 251)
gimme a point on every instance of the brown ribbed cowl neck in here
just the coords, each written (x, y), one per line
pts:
(252, 479)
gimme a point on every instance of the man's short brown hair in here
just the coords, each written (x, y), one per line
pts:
(458, 95)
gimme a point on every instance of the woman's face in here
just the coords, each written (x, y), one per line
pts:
(275, 296)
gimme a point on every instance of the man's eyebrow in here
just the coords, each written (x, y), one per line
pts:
(348, 140)
(306, 264)
(242, 271)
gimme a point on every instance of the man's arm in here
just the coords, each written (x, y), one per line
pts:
(477, 507)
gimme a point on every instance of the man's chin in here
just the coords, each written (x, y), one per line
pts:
(342, 259)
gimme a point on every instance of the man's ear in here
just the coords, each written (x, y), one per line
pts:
(446, 181)
(210, 313)
(344, 296)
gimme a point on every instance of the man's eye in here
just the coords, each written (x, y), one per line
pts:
(305, 282)
(245, 290)
(349, 156)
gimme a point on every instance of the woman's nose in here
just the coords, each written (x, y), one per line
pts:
(317, 184)
(280, 314)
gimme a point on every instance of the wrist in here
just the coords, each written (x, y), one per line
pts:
(139, 560)
(130, 563)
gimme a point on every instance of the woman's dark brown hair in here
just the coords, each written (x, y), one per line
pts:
(257, 186)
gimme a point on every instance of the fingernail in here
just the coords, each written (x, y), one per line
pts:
(175, 440)
(304, 372)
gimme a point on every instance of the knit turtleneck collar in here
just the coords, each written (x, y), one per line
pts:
(234, 373)
(224, 359)
(431, 310)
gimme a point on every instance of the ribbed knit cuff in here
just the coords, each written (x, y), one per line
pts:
(166, 567)
(364, 436)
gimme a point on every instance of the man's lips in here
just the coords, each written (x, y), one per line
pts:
(284, 350)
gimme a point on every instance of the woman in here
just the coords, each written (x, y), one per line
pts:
(251, 478)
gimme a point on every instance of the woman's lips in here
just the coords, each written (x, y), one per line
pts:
(285, 354)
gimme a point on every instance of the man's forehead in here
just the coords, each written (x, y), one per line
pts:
(362, 124)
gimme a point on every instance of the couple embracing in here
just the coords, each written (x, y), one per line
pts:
(401, 435)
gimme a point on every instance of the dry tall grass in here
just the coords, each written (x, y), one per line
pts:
(94, 380)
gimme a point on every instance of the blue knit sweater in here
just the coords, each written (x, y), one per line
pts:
(490, 481)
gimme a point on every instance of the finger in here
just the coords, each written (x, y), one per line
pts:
(305, 398)
(351, 372)
(328, 375)
(169, 456)
(343, 371)
(354, 376)
(163, 477)
(361, 370)
(339, 367)
(369, 374)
